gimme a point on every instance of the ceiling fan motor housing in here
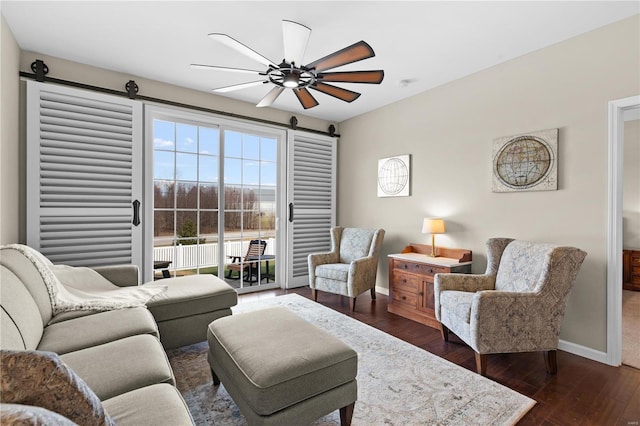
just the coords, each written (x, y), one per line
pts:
(290, 76)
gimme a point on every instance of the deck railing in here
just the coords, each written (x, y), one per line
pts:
(204, 255)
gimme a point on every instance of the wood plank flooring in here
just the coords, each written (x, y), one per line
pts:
(583, 392)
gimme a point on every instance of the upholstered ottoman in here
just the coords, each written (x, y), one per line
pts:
(280, 369)
(188, 306)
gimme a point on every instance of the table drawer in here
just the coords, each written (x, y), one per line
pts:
(405, 298)
(418, 268)
(405, 282)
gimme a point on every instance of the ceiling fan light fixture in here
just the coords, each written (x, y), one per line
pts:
(291, 80)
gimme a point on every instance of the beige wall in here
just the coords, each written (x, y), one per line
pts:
(9, 148)
(631, 187)
(449, 131)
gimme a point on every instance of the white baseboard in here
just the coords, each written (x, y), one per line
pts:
(382, 290)
(583, 351)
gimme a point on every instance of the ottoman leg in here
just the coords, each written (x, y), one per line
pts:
(216, 380)
(346, 413)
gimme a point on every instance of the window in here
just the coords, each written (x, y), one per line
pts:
(214, 193)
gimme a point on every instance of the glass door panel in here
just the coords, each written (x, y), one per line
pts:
(250, 178)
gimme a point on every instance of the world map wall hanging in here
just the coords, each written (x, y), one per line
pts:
(527, 162)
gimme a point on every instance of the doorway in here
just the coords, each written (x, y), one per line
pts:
(617, 111)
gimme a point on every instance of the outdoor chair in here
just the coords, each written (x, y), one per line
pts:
(249, 262)
(517, 305)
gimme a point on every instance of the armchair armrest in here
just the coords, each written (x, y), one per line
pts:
(362, 272)
(316, 259)
(463, 282)
(459, 282)
(120, 275)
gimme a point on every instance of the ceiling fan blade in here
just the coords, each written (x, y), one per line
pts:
(270, 97)
(306, 98)
(240, 86)
(337, 92)
(296, 37)
(370, 77)
(241, 48)
(216, 68)
(356, 52)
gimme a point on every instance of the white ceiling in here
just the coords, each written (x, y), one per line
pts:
(424, 43)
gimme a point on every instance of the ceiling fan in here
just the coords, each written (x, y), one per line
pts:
(289, 74)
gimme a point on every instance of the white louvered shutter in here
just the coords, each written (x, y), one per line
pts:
(311, 201)
(84, 173)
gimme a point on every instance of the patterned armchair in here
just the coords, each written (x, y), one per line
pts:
(516, 306)
(350, 267)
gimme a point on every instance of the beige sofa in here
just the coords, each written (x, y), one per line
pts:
(117, 353)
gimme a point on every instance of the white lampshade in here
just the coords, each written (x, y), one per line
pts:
(433, 226)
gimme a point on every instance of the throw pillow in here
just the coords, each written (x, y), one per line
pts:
(42, 379)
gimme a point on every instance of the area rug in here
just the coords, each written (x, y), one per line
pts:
(398, 383)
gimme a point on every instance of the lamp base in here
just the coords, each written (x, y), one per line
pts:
(433, 246)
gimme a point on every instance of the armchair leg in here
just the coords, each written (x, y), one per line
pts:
(314, 294)
(481, 364)
(550, 361)
(444, 332)
(373, 294)
(352, 303)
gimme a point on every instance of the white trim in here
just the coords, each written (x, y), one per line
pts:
(616, 110)
(583, 351)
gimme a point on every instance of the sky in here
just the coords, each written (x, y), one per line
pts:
(192, 152)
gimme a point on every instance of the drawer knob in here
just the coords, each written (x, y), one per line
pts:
(404, 281)
(420, 294)
(431, 271)
(404, 297)
(405, 266)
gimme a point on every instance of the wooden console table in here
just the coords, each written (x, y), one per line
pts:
(411, 279)
(631, 270)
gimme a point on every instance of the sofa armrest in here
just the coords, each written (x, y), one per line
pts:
(316, 259)
(120, 275)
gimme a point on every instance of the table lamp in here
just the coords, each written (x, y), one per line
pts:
(433, 227)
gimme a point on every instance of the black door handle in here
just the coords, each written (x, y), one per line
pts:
(136, 213)
(290, 212)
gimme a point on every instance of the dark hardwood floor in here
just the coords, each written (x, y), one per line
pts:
(583, 392)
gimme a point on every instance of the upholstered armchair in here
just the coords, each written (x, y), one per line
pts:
(350, 267)
(516, 306)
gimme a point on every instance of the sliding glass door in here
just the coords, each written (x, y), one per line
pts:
(215, 192)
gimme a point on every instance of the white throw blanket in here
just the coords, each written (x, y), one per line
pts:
(83, 289)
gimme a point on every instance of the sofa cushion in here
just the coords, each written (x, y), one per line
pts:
(275, 359)
(22, 267)
(42, 379)
(29, 415)
(21, 311)
(333, 271)
(96, 329)
(121, 366)
(159, 404)
(195, 294)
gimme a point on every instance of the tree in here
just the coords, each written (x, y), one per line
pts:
(188, 231)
